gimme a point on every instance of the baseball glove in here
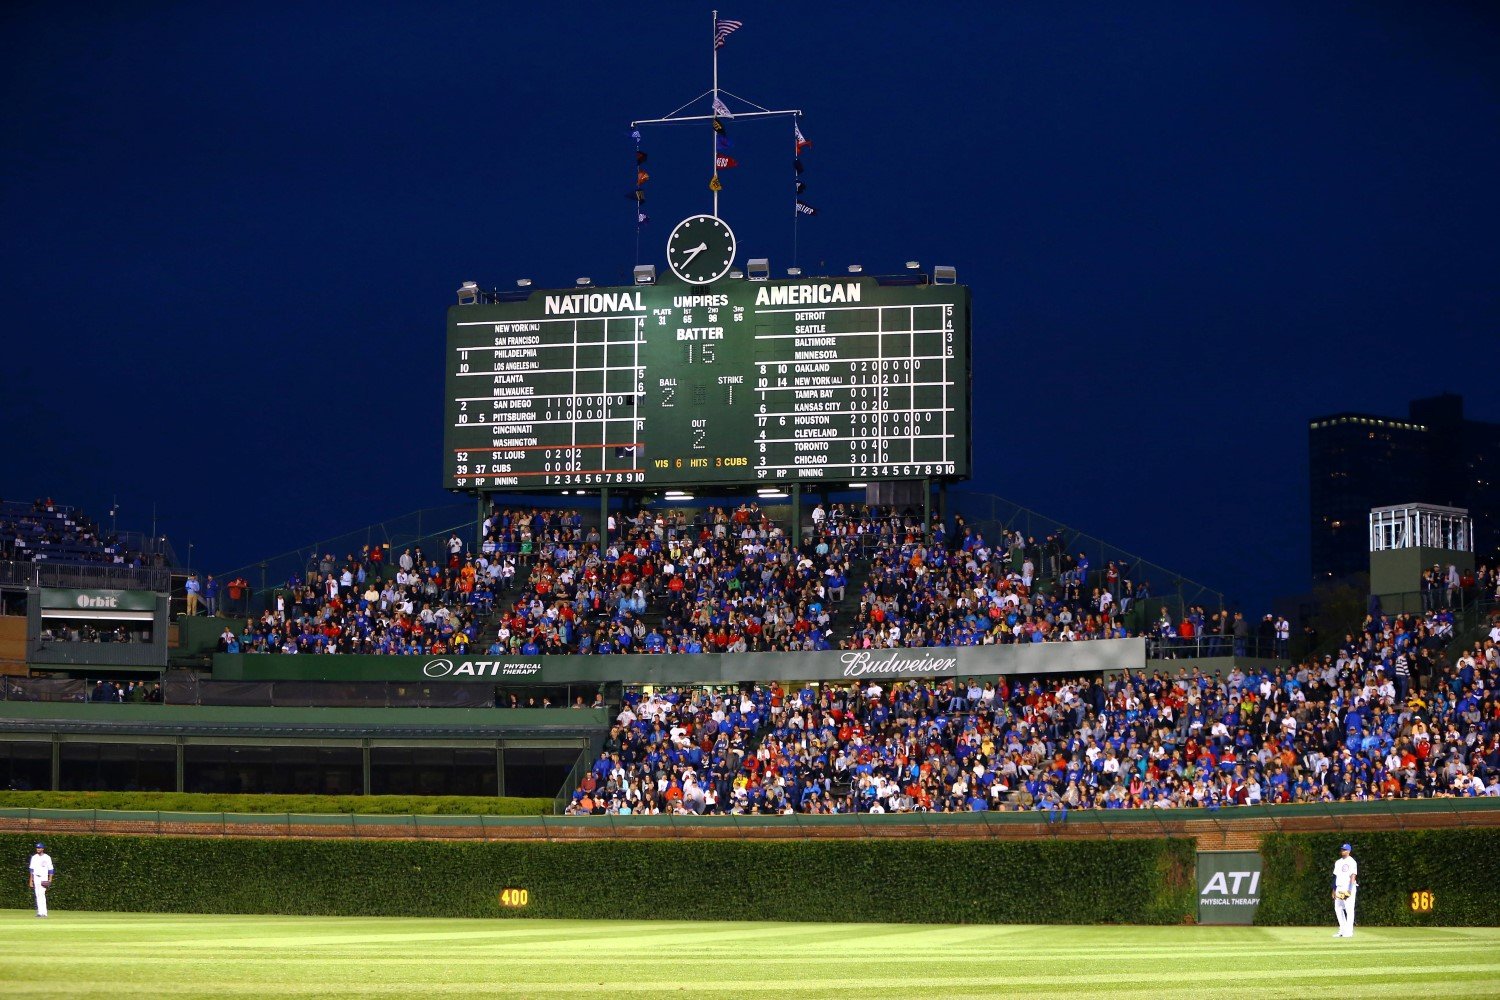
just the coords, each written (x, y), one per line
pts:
(1342, 894)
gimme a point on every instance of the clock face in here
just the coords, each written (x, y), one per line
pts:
(700, 249)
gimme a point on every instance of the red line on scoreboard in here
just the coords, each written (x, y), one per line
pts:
(568, 472)
(559, 447)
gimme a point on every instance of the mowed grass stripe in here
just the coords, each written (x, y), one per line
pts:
(78, 956)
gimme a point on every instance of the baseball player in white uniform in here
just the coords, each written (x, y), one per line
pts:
(41, 877)
(1345, 889)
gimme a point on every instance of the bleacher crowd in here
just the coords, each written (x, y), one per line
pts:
(1390, 715)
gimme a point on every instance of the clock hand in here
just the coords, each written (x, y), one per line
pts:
(693, 253)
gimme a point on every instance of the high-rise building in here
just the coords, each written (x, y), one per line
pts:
(1434, 455)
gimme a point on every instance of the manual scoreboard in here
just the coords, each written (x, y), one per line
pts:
(825, 381)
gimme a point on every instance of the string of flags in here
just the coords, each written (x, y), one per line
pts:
(638, 195)
(799, 143)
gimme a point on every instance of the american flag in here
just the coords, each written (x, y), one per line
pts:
(723, 29)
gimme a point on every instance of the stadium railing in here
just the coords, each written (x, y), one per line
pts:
(426, 528)
(84, 576)
(1106, 823)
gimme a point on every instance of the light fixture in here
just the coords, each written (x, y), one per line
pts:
(768, 489)
(564, 492)
(759, 268)
(584, 282)
(777, 495)
(858, 486)
(645, 274)
(856, 269)
(944, 274)
(913, 265)
(523, 282)
(794, 272)
(736, 274)
(468, 293)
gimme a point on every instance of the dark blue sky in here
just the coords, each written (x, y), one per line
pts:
(231, 232)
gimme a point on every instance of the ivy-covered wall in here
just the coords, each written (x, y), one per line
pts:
(1460, 869)
(907, 881)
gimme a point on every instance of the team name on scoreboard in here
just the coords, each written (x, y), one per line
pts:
(798, 295)
(593, 302)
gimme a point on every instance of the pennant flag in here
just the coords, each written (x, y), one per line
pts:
(718, 126)
(723, 29)
(638, 195)
(801, 187)
(725, 162)
(714, 185)
(720, 109)
(801, 142)
(641, 177)
(803, 208)
(797, 166)
(635, 135)
(723, 143)
(640, 157)
(641, 218)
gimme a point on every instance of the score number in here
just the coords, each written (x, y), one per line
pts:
(515, 897)
(1423, 902)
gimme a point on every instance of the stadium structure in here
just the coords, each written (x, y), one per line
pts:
(714, 575)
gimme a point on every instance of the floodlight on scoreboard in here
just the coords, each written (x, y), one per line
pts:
(816, 381)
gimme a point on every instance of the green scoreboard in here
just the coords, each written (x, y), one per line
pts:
(821, 381)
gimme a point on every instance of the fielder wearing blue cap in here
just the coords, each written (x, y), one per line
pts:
(1345, 888)
(40, 877)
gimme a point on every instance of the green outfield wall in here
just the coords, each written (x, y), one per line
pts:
(1406, 877)
(908, 881)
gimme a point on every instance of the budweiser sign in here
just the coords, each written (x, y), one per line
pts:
(863, 664)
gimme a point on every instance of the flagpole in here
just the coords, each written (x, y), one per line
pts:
(713, 136)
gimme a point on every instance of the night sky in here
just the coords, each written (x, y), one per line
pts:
(231, 233)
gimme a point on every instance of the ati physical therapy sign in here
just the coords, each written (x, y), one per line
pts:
(1228, 886)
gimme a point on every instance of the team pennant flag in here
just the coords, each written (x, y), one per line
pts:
(723, 29)
(725, 162)
(797, 166)
(721, 110)
(714, 185)
(640, 157)
(803, 208)
(718, 126)
(801, 187)
(723, 143)
(641, 177)
(638, 195)
(635, 135)
(641, 218)
(801, 142)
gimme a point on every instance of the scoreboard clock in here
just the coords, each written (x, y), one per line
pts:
(700, 250)
(820, 381)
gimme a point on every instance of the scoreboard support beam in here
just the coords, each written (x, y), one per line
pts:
(926, 510)
(604, 515)
(480, 513)
(796, 516)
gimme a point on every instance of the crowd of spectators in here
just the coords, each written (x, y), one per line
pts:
(1392, 714)
(723, 579)
(123, 692)
(419, 606)
(46, 531)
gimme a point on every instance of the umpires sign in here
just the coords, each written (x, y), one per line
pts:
(1228, 886)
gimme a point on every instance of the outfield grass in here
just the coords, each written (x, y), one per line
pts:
(141, 955)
